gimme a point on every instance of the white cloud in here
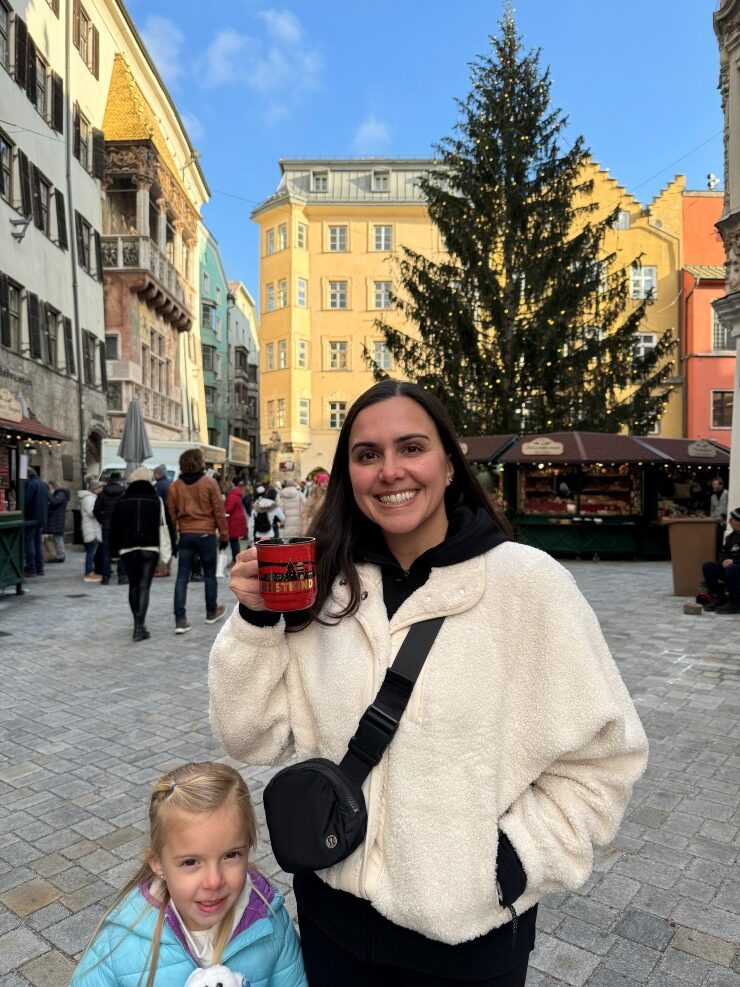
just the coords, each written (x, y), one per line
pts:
(372, 135)
(164, 41)
(281, 66)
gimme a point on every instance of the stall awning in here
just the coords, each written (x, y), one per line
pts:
(603, 447)
(30, 428)
(483, 448)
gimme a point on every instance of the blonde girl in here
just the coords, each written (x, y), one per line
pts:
(195, 901)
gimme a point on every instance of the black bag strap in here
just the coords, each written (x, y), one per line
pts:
(380, 720)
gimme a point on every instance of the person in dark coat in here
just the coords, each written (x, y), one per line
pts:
(134, 535)
(162, 485)
(103, 511)
(723, 577)
(56, 518)
(35, 510)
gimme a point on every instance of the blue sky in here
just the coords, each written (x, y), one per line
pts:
(256, 81)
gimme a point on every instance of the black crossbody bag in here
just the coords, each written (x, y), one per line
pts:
(315, 810)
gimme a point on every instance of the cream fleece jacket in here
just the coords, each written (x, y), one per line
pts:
(519, 720)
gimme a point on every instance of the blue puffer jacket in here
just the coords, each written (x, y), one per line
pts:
(264, 947)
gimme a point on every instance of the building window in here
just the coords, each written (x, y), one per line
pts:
(338, 350)
(84, 236)
(111, 346)
(86, 39)
(6, 169)
(69, 350)
(304, 412)
(51, 330)
(88, 357)
(622, 220)
(282, 354)
(271, 297)
(283, 236)
(721, 334)
(302, 353)
(206, 282)
(337, 294)
(382, 238)
(320, 181)
(42, 87)
(382, 356)
(270, 356)
(644, 342)
(241, 358)
(4, 36)
(209, 354)
(721, 409)
(41, 195)
(643, 281)
(280, 416)
(11, 327)
(337, 238)
(207, 316)
(282, 297)
(210, 393)
(270, 241)
(271, 414)
(337, 413)
(382, 294)
(381, 181)
(301, 236)
(301, 292)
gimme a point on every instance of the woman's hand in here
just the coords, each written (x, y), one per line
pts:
(244, 582)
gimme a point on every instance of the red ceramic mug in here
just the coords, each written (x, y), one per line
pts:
(287, 572)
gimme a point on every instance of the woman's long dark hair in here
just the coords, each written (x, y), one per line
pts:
(339, 524)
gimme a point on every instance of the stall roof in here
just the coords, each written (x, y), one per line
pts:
(482, 448)
(32, 429)
(603, 447)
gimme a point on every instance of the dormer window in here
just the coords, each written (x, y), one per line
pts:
(319, 181)
(381, 181)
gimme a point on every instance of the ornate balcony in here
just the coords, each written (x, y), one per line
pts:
(159, 283)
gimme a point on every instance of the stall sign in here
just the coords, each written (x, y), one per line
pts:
(287, 466)
(542, 447)
(702, 449)
(10, 406)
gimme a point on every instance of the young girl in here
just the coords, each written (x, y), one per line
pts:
(195, 902)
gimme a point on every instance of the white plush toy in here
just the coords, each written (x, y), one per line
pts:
(215, 976)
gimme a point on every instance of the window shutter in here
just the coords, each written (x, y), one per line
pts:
(69, 350)
(98, 142)
(4, 311)
(95, 49)
(25, 172)
(38, 213)
(76, 126)
(98, 256)
(80, 240)
(2, 180)
(103, 368)
(76, 23)
(34, 327)
(61, 220)
(31, 69)
(57, 103)
(21, 41)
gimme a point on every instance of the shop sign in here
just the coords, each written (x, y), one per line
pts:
(287, 466)
(702, 449)
(542, 447)
(10, 406)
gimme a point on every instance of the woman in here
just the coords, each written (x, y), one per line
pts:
(92, 534)
(236, 518)
(56, 519)
(134, 535)
(292, 502)
(314, 499)
(519, 747)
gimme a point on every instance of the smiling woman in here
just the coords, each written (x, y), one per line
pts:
(517, 750)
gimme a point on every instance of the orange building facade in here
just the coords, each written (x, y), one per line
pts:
(707, 348)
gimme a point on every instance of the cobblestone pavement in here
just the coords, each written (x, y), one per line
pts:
(89, 718)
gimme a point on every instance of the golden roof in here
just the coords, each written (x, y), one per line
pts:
(129, 117)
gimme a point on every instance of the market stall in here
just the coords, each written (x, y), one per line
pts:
(19, 438)
(594, 494)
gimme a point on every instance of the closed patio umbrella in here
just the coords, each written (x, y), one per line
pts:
(134, 446)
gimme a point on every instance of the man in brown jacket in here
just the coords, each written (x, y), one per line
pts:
(197, 511)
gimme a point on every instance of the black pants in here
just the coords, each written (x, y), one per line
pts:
(346, 942)
(140, 566)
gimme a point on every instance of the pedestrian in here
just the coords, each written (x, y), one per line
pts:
(293, 504)
(196, 899)
(315, 499)
(134, 536)
(162, 486)
(247, 497)
(197, 512)
(723, 577)
(236, 518)
(103, 511)
(56, 518)
(267, 515)
(36, 507)
(520, 744)
(92, 534)
(718, 501)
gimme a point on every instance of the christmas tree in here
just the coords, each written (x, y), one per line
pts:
(526, 324)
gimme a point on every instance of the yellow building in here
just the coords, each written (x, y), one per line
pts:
(327, 237)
